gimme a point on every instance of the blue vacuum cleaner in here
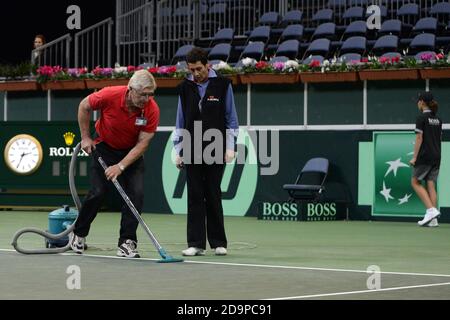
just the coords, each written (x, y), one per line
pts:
(59, 221)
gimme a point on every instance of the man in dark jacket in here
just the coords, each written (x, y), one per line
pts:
(205, 107)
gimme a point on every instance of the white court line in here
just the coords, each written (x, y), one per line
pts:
(362, 291)
(256, 265)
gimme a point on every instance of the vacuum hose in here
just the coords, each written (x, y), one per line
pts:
(45, 234)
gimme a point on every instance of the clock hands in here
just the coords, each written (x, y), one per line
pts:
(21, 158)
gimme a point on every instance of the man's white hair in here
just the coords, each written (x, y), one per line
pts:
(142, 79)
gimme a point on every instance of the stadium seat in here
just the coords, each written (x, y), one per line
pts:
(422, 42)
(253, 50)
(356, 28)
(354, 45)
(426, 25)
(352, 14)
(309, 184)
(319, 47)
(292, 32)
(271, 19)
(325, 30)
(385, 44)
(289, 48)
(181, 53)
(220, 51)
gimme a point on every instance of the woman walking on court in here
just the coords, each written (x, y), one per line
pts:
(427, 157)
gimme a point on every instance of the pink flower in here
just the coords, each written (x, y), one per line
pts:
(439, 56)
(278, 66)
(153, 70)
(426, 57)
(364, 60)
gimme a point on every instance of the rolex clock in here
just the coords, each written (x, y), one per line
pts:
(23, 154)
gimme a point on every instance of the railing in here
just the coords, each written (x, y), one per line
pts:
(134, 31)
(93, 46)
(56, 52)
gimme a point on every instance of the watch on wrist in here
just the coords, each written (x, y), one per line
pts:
(121, 167)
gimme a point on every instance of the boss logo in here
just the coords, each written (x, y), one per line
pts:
(280, 211)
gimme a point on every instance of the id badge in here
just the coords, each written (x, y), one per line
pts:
(141, 121)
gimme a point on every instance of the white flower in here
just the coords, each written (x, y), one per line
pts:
(119, 69)
(221, 66)
(326, 63)
(247, 62)
(291, 64)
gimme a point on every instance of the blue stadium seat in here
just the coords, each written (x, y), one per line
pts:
(352, 14)
(261, 33)
(385, 44)
(271, 19)
(426, 25)
(409, 13)
(324, 15)
(356, 28)
(220, 51)
(292, 17)
(354, 45)
(319, 47)
(224, 35)
(289, 48)
(325, 30)
(292, 32)
(181, 53)
(391, 27)
(422, 42)
(253, 50)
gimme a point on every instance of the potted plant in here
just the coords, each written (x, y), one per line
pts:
(437, 67)
(17, 78)
(224, 69)
(58, 78)
(329, 71)
(263, 72)
(386, 68)
(167, 76)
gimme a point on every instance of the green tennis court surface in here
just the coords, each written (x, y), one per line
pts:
(267, 260)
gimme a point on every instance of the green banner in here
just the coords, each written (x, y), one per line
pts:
(393, 194)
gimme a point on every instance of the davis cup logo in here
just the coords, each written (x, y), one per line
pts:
(238, 184)
(394, 195)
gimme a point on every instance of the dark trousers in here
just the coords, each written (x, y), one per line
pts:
(131, 180)
(205, 212)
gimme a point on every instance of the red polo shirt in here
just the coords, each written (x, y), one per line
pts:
(116, 126)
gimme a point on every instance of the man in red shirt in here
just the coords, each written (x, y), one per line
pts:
(129, 117)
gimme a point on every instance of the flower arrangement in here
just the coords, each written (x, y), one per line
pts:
(167, 72)
(223, 68)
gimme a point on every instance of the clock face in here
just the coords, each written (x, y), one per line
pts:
(23, 154)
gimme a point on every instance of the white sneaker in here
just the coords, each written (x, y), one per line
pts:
(433, 223)
(193, 251)
(430, 215)
(128, 249)
(221, 251)
(77, 243)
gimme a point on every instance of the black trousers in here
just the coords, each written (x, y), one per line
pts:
(131, 180)
(205, 212)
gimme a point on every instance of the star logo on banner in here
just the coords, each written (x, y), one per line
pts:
(386, 193)
(405, 199)
(394, 165)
